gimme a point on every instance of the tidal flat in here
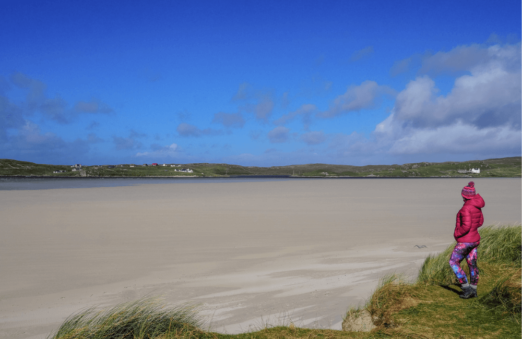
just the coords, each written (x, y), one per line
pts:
(250, 253)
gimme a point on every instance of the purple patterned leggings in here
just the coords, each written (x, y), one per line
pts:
(466, 250)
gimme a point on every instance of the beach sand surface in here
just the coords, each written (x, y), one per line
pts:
(250, 254)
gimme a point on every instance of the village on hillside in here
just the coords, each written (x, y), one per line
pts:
(83, 169)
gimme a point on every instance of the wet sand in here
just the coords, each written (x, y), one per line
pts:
(249, 253)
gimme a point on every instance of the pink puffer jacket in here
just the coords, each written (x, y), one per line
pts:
(469, 219)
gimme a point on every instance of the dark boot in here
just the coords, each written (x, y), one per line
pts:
(468, 292)
(474, 290)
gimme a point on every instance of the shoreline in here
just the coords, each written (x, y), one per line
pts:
(245, 176)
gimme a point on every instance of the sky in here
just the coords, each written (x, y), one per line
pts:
(259, 83)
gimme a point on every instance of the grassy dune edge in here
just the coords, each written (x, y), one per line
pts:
(427, 308)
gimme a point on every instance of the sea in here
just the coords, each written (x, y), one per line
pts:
(39, 183)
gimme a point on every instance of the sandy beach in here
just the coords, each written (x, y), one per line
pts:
(250, 254)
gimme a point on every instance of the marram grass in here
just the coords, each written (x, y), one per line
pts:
(146, 318)
(498, 245)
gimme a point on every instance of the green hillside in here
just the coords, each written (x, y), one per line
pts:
(502, 167)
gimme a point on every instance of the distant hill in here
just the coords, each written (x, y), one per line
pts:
(502, 167)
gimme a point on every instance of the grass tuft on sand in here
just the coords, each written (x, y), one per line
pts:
(430, 307)
(146, 318)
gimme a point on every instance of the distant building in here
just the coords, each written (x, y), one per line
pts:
(110, 166)
(164, 165)
(473, 170)
(132, 165)
(154, 164)
(145, 165)
(77, 166)
(186, 170)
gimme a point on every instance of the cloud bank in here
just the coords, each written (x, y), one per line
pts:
(481, 115)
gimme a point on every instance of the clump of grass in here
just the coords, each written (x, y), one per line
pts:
(146, 318)
(505, 296)
(497, 245)
(436, 270)
(392, 295)
(500, 244)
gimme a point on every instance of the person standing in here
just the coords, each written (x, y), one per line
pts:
(469, 219)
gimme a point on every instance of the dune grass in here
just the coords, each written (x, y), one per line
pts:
(499, 245)
(147, 318)
(427, 308)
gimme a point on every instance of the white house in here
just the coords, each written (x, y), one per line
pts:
(77, 166)
(473, 170)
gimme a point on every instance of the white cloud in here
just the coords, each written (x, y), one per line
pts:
(458, 138)
(159, 151)
(479, 117)
(361, 54)
(278, 134)
(285, 100)
(263, 109)
(356, 98)
(130, 142)
(305, 112)
(92, 107)
(188, 130)
(313, 138)
(489, 96)
(93, 138)
(229, 119)
(31, 143)
(258, 102)
(401, 66)
(56, 109)
(472, 58)
(243, 92)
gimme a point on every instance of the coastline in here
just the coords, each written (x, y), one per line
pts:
(240, 176)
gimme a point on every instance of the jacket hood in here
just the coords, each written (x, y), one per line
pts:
(476, 201)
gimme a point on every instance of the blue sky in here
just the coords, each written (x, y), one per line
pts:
(259, 82)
